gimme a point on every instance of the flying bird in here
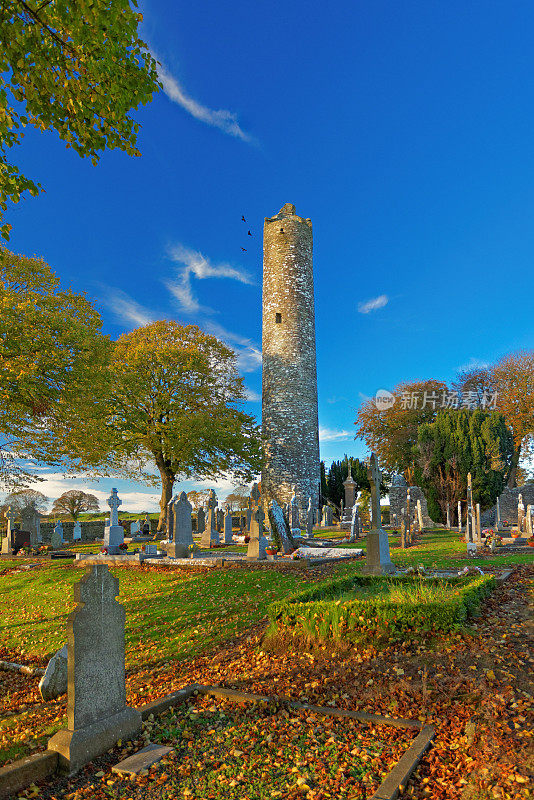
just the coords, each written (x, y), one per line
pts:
(244, 249)
(243, 218)
(249, 233)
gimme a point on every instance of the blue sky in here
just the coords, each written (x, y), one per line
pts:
(405, 131)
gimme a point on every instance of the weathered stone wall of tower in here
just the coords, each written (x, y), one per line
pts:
(289, 382)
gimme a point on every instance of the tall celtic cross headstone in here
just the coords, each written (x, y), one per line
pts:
(7, 542)
(97, 714)
(211, 534)
(113, 533)
(258, 541)
(378, 560)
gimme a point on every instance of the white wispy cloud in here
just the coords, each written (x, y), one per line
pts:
(373, 304)
(473, 363)
(331, 435)
(225, 120)
(252, 396)
(193, 263)
(125, 308)
(248, 354)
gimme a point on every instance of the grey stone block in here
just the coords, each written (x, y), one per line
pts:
(141, 760)
(54, 682)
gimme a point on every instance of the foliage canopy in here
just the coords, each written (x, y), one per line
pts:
(74, 67)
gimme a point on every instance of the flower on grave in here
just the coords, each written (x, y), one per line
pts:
(104, 551)
(123, 546)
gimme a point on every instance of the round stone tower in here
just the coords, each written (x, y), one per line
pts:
(289, 381)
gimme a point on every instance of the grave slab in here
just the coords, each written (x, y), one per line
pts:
(141, 760)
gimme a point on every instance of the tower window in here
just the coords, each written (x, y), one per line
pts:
(278, 317)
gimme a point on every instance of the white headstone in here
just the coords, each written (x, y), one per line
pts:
(77, 531)
(227, 525)
(113, 533)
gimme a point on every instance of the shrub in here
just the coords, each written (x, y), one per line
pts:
(407, 607)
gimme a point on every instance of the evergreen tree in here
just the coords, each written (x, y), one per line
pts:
(339, 472)
(458, 442)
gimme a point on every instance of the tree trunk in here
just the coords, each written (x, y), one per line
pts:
(167, 483)
(512, 476)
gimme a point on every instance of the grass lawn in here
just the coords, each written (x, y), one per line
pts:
(172, 618)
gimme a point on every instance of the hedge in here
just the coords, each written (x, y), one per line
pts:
(315, 613)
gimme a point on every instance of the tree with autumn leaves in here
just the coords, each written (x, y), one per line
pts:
(77, 68)
(53, 371)
(493, 440)
(175, 409)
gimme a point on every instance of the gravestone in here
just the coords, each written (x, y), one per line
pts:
(294, 516)
(134, 528)
(327, 516)
(448, 516)
(459, 516)
(258, 541)
(113, 533)
(54, 682)
(309, 520)
(249, 514)
(31, 522)
(97, 714)
(7, 541)
(146, 526)
(350, 487)
(182, 535)
(479, 528)
(528, 521)
(520, 514)
(354, 524)
(419, 515)
(498, 515)
(56, 540)
(77, 531)
(220, 519)
(403, 529)
(469, 530)
(201, 521)
(227, 525)
(170, 517)
(280, 529)
(211, 534)
(378, 561)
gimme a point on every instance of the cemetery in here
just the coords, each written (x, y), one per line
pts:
(232, 567)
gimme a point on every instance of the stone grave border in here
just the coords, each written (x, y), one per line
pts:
(19, 775)
(210, 563)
